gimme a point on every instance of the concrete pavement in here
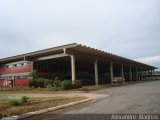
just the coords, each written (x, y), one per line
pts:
(139, 98)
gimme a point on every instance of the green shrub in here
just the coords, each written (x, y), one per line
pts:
(48, 86)
(38, 82)
(77, 84)
(56, 83)
(67, 84)
(31, 88)
(32, 83)
(14, 103)
(24, 99)
(46, 82)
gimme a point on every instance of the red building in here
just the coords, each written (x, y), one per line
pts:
(16, 74)
(72, 61)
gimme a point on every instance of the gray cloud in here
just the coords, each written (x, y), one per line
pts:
(129, 28)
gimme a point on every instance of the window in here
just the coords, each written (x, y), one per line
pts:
(11, 66)
(27, 63)
(18, 64)
(2, 78)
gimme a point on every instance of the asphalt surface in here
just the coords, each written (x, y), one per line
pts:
(138, 98)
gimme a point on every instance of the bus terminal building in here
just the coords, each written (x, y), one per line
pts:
(72, 62)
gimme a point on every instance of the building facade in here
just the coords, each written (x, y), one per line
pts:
(72, 62)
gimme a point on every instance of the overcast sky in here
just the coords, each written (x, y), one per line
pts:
(130, 28)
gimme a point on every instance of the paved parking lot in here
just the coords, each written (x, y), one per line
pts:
(139, 98)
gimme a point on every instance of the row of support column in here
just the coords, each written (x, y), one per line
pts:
(73, 71)
(111, 72)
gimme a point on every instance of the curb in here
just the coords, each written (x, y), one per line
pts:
(30, 114)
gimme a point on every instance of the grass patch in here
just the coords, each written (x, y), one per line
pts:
(21, 90)
(24, 99)
(34, 104)
(15, 89)
(53, 88)
(14, 103)
(87, 88)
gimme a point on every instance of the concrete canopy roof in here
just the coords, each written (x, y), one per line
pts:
(78, 48)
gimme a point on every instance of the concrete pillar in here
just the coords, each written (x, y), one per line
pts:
(32, 66)
(141, 74)
(96, 72)
(73, 68)
(151, 72)
(136, 74)
(145, 74)
(111, 72)
(122, 72)
(14, 81)
(130, 73)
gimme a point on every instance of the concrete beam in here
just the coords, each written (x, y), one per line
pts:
(11, 63)
(73, 68)
(96, 72)
(15, 74)
(51, 57)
